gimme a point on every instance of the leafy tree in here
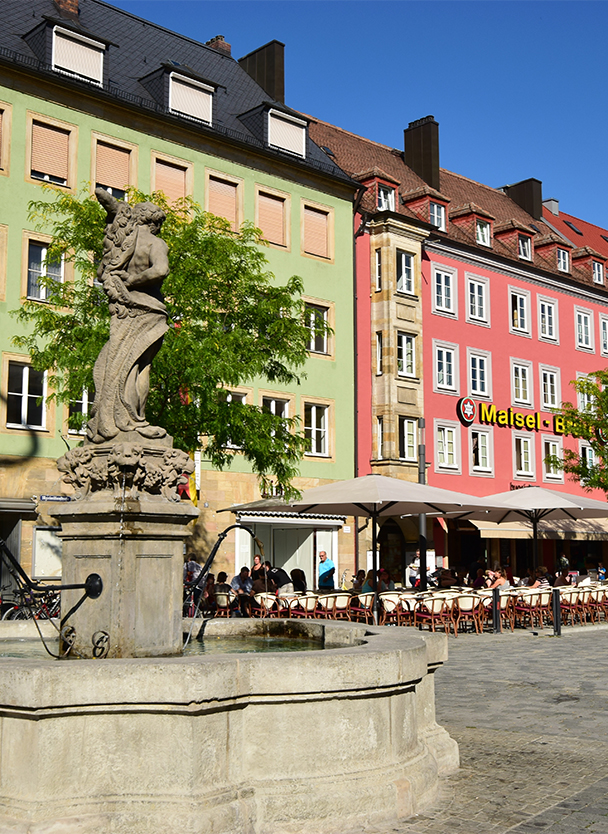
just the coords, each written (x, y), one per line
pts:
(230, 322)
(591, 424)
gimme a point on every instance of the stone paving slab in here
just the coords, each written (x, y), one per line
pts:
(530, 714)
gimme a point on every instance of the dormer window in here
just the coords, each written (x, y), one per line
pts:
(287, 133)
(190, 98)
(563, 260)
(482, 232)
(525, 247)
(437, 216)
(77, 55)
(598, 272)
(386, 198)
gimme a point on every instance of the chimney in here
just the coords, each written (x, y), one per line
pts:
(553, 205)
(68, 8)
(266, 65)
(528, 194)
(219, 44)
(421, 141)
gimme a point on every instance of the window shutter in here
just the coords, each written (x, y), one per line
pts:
(50, 150)
(81, 58)
(190, 100)
(285, 134)
(271, 218)
(222, 200)
(315, 232)
(171, 179)
(112, 166)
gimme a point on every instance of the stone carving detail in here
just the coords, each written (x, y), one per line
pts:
(134, 264)
(127, 469)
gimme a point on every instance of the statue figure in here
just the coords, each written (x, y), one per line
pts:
(134, 265)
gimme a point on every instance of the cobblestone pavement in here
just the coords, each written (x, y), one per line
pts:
(530, 715)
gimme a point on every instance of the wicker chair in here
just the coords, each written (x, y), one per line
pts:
(363, 612)
(432, 611)
(390, 609)
(468, 608)
(326, 606)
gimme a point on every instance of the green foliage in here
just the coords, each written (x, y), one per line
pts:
(230, 322)
(591, 424)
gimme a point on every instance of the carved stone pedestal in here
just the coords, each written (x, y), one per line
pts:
(128, 525)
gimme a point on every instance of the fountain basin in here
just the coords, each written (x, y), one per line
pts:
(244, 743)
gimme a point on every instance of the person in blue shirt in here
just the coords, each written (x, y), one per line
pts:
(326, 572)
(242, 585)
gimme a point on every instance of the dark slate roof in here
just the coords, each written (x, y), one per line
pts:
(138, 48)
(356, 155)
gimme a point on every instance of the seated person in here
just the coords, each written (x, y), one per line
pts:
(243, 587)
(542, 579)
(480, 579)
(280, 579)
(385, 583)
(221, 586)
(298, 577)
(500, 580)
(368, 585)
(358, 580)
(563, 578)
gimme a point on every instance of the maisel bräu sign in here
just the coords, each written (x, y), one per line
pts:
(469, 411)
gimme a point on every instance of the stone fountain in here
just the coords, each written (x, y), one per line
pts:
(133, 737)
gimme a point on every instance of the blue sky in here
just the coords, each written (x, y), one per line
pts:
(518, 88)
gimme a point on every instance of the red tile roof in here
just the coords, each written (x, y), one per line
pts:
(355, 154)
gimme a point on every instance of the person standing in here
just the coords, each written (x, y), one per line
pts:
(280, 579)
(326, 572)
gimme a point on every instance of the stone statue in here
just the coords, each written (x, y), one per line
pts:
(134, 265)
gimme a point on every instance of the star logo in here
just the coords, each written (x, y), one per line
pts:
(466, 410)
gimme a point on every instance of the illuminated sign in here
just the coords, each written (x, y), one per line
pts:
(487, 413)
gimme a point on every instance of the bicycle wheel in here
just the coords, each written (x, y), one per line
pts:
(18, 614)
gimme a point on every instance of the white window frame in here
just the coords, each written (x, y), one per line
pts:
(438, 304)
(526, 366)
(403, 427)
(548, 302)
(523, 297)
(449, 429)
(603, 335)
(242, 398)
(280, 116)
(557, 445)
(585, 450)
(403, 340)
(378, 268)
(473, 356)
(524, 247)
(548, 370)
(474, 316)
(598, 272)
(481, 471)
(582, 400)
(581, 313)
(85, 411)
(25, 378)
(379, 346)
(97, 46)
(440, 350)
(323, 431)
(313, 312)
(563, 260)
(437, 215)
(404, 272)
(483, 232)
(379, 438)
(386, 197)
(527, 441)
(191, 83)
(43, 269)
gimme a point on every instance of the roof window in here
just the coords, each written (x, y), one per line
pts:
(386, 198)
(573, 227)
(286, 133)
(77, 55)
(190, 98)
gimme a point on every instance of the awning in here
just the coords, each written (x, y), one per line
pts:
(590, 529)
(328, 522)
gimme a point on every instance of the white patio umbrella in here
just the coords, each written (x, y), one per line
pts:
(536, 504)
(374, 496)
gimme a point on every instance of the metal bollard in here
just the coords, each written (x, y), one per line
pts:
(556, 605)
(496, 611)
